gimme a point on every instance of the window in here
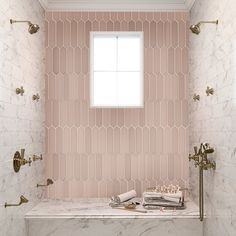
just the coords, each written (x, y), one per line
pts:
(116, 69)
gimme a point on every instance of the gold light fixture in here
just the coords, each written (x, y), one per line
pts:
(22, 200)
(33, 28)
(196, 28)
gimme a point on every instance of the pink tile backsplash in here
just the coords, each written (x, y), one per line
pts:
(100, 152)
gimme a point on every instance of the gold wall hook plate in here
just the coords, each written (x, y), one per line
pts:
(17, 161)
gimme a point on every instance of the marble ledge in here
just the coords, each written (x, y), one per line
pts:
(94, 208)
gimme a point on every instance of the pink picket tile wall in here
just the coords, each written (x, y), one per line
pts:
(101, 152)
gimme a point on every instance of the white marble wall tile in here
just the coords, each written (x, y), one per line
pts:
(21, 119)
(212, 119)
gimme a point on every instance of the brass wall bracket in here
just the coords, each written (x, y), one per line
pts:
(20, 91)
(19, 160)
(201, 160)
(49, 182)
(209, 91)
(22, 200)
(196, 97)
(36, 97)
(36, 158)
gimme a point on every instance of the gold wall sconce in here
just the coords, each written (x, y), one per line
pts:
(36, 97)
(20, 91)
(19, 160)
(49, 182)
(36, 158)
(22, 200)
(209, 91)
(196, 97)
(201, 160)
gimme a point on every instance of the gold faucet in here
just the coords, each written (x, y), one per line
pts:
(22, 200)
(200, 157)
(201, 161)
(49, 182)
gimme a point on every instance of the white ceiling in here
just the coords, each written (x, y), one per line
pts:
(117, 5)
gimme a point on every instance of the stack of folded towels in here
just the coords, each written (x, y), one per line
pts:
(163, 196)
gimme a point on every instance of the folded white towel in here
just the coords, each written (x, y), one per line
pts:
(173, 197)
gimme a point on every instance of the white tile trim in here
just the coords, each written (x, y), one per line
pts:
(104, 5)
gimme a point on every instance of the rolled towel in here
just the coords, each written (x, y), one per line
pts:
(124, 196)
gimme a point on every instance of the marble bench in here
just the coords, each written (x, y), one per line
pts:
(87, 217)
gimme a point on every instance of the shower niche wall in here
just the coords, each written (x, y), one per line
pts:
(98, 152)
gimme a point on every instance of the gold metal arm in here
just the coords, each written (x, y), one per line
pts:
(22, 200)
(49, 182)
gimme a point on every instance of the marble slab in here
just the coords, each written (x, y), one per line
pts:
(93, 216)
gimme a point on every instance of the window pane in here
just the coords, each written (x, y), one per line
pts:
(129, 89)
(129, 53)
(104, 89)
(105, 53)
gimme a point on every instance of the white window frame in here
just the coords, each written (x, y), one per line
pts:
(116, 33)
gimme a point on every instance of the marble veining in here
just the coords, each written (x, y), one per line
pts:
(89, 217)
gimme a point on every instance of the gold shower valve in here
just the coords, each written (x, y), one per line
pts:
(209, 91)
(36, 97)
(20, 91)
(196, 97)
(19, 160)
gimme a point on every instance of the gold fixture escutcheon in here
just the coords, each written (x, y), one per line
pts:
(209, 91)
(20, 91)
